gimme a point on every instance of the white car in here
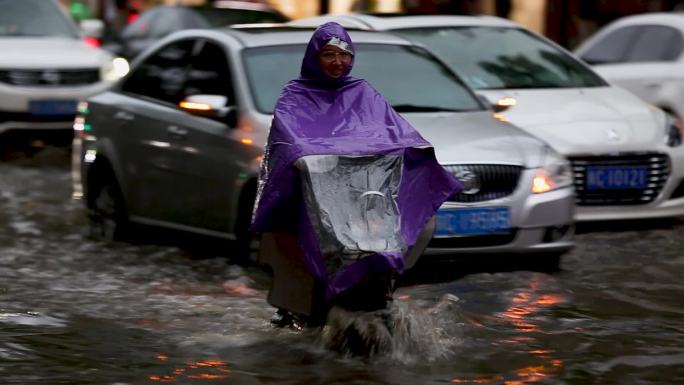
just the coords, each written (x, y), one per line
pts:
(642, 53)
(45, 66)
(627, 156)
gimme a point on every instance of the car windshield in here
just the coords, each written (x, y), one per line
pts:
(33, 18)
(410, 78)
(217, 17)
(500, 58)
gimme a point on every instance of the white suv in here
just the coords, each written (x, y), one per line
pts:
(45, 66)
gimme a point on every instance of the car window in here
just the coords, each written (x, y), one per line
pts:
(655, 43)
(34, 18)
(176, 19)
(217, 17)
(500, 58)
(161, 21)
(209, 73)
(162, 75)
(613, 47)
(415, 80)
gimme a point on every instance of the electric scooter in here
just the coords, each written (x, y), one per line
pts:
(350, 204)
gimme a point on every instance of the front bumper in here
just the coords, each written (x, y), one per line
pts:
(14, 105)
(661, 208)
(669, 201)
(541, 223)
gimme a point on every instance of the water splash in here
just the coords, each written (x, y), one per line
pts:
(402, 332)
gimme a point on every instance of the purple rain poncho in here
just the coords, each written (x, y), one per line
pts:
(318, 115)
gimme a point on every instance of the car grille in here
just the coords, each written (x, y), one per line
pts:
(495, 181)
(658, 170)
(50, 77)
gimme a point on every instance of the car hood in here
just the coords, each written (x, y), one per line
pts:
(461, 138)
(49, 52)
(587, 120)
(476, 137)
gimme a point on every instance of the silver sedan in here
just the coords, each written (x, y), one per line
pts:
(178, 142)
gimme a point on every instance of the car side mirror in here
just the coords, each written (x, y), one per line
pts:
(210, 106)
(500, 105)
(92, 28)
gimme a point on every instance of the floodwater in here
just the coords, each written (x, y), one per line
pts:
(76, 311)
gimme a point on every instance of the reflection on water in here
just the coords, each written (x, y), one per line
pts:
(478, 380)
(78, 312)
(523, 314)
(524, 327)
(198, 370)
(526, 304)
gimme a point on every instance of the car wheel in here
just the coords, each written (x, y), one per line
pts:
(244, 238)
(107, 213)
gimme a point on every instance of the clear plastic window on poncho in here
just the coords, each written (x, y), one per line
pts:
(351, 203)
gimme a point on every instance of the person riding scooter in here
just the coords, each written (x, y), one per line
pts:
(346, 188)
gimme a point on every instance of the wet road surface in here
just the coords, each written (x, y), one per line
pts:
(77, 311)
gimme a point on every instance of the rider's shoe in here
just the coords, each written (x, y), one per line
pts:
(282, 318)
(285, 319)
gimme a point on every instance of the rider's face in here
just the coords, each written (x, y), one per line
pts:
(334, 61)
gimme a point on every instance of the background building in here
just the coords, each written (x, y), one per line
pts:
(567, 22)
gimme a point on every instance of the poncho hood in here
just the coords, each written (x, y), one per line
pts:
(318, 115)
(311, 69)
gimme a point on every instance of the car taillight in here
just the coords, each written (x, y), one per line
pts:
(92, 42)
(132, 17)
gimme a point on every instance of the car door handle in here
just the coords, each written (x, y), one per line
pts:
(123, 115)
(177, 132)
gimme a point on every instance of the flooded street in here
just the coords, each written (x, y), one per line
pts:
(76, 311)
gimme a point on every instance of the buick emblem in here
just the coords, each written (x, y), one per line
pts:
(613, 135)
(470, 182)
(51, 77)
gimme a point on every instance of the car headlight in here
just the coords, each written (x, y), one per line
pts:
(115, 69)
(554, 173)
(673, 132)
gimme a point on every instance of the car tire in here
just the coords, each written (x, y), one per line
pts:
(244, 238)
(108, 219)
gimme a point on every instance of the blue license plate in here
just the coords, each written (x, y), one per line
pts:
(52, 107)
(616, 177)
(472, 221)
